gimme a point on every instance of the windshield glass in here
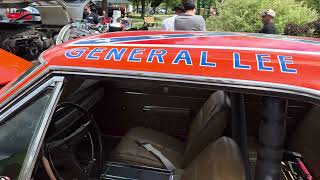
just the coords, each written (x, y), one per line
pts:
(16, 133)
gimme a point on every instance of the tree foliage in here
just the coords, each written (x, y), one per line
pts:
(156, 3)
(314, 4)
(244, 15)
(308, 30)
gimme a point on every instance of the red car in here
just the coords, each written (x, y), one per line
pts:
(19, 13)
(154, 105)
(23, 12)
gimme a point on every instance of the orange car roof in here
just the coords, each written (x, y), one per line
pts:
(243, 60)
(241, 56)
(11, 66)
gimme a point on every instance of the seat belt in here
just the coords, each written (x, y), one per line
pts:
(165, 161)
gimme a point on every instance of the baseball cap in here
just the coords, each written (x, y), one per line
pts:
(269, 12)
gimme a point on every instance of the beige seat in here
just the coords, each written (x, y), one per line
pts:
(220, 160)
(305, 140)
(207, 127)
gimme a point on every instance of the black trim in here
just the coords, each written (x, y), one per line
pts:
(239, 128)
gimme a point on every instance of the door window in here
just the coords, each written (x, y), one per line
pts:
(16, 133)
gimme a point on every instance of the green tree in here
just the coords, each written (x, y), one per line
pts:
(314, 4)
(143, 8)
(244, 15)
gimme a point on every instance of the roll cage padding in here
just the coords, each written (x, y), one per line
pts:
(271, 138)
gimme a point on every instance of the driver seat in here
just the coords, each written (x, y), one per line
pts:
(220, 160)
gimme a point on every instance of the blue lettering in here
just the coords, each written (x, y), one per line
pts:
(156, 54)
(237, 64)
(115, 53)
(75, 53)
(183, 55)
(92, 54)
(134, 52)
(204, 58)
(284, 61)
(261, 59)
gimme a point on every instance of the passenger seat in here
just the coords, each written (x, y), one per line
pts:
(220, 160)
(207, 126)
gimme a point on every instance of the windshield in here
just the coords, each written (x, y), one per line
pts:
(16, 134)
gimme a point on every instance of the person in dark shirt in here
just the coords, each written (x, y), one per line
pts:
(90, 15)
(267, 20)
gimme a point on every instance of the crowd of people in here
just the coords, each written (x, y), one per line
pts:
(115, 23)
(185, 19)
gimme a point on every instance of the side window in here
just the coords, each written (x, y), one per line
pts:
(16, 134)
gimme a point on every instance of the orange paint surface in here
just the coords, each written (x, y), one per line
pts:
(11, 66)
(301, 56)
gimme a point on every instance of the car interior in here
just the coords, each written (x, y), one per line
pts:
(118, 128)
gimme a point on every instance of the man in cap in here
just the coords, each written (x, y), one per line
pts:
(189, 21)
(168, 24)
(267, 20)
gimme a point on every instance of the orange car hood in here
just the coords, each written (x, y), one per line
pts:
(11, 67)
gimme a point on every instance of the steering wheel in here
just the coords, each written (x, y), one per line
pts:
(62, 153)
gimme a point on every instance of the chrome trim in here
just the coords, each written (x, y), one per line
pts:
(62, 34)
(35, 144)
(203, 80)
(223, 82)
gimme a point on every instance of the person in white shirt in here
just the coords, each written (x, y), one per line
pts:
(168, 24)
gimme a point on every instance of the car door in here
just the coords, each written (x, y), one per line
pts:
(23, 125)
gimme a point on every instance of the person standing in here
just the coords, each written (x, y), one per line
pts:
(90, 15)
(168, 24)
(189, 21)
(3, 16)
(267, 20)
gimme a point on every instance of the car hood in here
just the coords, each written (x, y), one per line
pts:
(11, 67)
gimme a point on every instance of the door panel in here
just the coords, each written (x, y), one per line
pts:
(162, 107)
